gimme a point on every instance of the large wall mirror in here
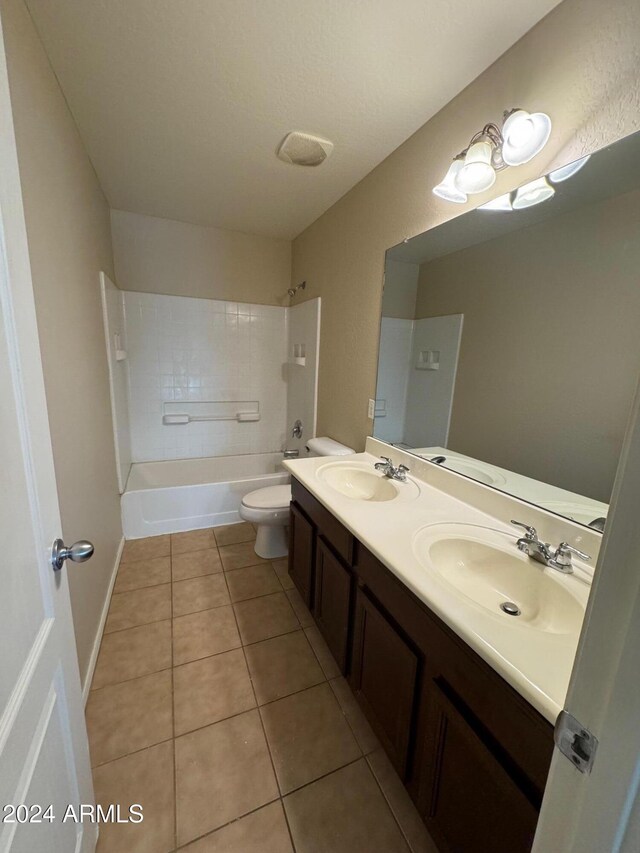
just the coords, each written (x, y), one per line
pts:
(510, 337)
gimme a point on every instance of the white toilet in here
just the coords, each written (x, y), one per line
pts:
(269, 508)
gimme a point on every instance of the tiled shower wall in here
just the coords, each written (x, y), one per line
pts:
(302, 379)
(183, 350)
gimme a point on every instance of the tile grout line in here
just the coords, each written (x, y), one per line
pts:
(389, 806)
(224, 825)
(264, 733)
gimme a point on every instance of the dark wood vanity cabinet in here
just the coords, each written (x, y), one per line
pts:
(468, 799)
(384, 677)
(473, 754)
(301, 553)
(320, 565)
(332, 601)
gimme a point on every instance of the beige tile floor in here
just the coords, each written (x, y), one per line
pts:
(217, 705)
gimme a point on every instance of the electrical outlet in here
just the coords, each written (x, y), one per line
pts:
(371, 409)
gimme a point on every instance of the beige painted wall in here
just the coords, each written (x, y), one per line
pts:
(580, 64)
(550, 352)
(67, 222)
(164, 256)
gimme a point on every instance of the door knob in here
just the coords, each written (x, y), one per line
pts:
(78, 553)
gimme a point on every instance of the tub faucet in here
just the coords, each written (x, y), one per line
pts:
(558, 559)
(296, 430)
(390, 470)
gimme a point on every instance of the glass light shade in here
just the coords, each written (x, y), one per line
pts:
(524, 135)
(535, 192)
(502, 203)
(564, 172)
(477, 174)
(447, 188)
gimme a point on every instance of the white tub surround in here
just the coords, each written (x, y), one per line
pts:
(536, 662)
(208, 360)
(116, 341)
(303, 351)
(188, 494)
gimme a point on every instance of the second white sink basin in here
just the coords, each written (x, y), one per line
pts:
(361, 482)
(485, 566)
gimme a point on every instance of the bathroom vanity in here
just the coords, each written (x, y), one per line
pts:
(468, 743)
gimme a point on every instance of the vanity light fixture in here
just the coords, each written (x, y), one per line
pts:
(477, 173)
(535, 192)
(522, 136)
(447, 188)
(564, 172)
(501, 203)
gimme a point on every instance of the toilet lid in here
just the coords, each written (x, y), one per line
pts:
(273, 497)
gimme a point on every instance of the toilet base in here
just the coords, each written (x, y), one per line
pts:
(271, 541)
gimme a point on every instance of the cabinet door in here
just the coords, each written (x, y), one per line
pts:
(384, 678)
(301, 548)
(332, 601)
(469, 801)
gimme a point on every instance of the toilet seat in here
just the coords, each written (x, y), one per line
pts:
(269, 498)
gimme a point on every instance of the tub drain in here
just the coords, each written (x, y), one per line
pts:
(510, 608)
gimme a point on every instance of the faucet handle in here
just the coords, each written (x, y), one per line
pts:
(385, 459)
(403, 468)
(531, 532)
(564, 550)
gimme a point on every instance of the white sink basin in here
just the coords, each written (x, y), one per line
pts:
(361, 482)
(480, 473)
(485, 566)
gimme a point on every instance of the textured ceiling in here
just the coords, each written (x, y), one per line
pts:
(182, 103)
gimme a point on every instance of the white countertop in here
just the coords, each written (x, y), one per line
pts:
(536, 663)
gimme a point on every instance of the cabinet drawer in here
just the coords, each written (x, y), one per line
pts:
(385, 675)
(468, 799)
(332, 602)
(340, 538)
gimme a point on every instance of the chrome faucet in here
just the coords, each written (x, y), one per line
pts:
(558, 559)
(390, 470)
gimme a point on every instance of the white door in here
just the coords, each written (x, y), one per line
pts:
(600, 812)
(44, 759)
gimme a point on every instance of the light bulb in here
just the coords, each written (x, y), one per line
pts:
(524, 135)
(502, 203)
(447, 188)
(564, 172)
(535, 192)
(476, 174)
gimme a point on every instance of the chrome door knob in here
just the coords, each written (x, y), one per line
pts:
(79, 552)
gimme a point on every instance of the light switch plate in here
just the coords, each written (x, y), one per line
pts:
(371, 410)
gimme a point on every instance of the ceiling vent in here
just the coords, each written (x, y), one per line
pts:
(304, 149)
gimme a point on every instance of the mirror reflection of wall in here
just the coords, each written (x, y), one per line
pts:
(550, 345)
(417, 365)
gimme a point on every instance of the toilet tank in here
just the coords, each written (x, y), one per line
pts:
(324, 446)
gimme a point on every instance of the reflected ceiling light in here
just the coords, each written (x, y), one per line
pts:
(535, 192)
(447, 188)
(502, 203)
(564, 172)
(523, 136)
(492, 149)
(477, 173)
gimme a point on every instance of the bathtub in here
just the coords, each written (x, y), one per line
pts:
(186, 494)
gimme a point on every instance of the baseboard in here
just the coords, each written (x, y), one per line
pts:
(86, 687)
